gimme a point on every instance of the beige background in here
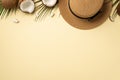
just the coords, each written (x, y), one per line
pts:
(53, 50)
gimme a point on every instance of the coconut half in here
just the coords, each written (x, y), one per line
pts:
(49, 3)
(27, 6)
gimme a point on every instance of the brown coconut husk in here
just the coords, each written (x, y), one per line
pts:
(8, 4)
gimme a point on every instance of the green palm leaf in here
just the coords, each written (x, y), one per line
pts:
(5, 12)
(113, 15)
(42, 11)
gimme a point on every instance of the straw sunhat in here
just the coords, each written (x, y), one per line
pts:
(85, 14)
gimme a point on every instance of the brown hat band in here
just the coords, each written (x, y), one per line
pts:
(89, 18)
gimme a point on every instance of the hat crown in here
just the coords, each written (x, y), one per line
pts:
(85, 8)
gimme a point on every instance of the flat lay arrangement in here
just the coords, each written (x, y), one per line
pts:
(81, 14)
(59, 39)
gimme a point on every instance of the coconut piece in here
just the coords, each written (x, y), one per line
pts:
(27, 6)
(49, 3)
(8, 4)
(16, 21)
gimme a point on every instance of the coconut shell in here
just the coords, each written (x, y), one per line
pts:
(118, 9)
(19, 2)
(8, 4)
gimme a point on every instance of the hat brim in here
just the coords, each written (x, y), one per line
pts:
(84, 23)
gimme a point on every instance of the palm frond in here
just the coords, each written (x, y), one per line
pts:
(5, 12)
(42, 11)
(113, 14)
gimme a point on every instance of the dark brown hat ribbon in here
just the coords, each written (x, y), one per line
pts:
(89, 18)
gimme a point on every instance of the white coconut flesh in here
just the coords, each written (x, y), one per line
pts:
(27, 6)
(49, 3)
